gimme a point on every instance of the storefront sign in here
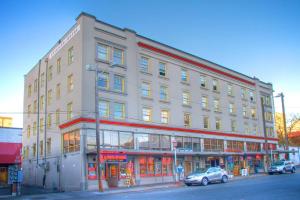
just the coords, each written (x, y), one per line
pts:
(113, 157)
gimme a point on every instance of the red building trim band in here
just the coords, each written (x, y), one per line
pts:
(167, 128)
(203, 66)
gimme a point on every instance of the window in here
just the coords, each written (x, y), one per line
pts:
(58, 65)
(142, 141)
(268, 116)
(253, 113)
(33, 149)
(163, 93)
(70, 55)
(165, 142)
(58, 91)
(126, 140)
(48, 146)
(49, 120)
(164, 116)
(70, 83)
(244, 111)
(103, 80)
(187, 143)
(69, 111)
(34, 128)
(102, 52)
(42, 79)
(71, 141)
(28, 131)
(28, 110)
(42, 125)
(213, 145)
(41, 148)
(118, 57)
(57, 117)
(184, 75)
(147, 114)
(231, 108)
(218, 123)
(187, 119)
(49, 97)
(196, 144)
(111, 139)
(205, 122)
(186, 98)
(252, 96)
(216, 105)
(246, 128)
(119, 110)
(179, 142)
(29, 91)
(154, 142)
(203, 82)
(104, 108)
(162, 69)
(42, 103)
(254, 129)
(233, 125)
(144, 64)
(35, 85)
(229, 90)
(215, 85)
(267, 100)
(235, 146)
(243, 93)
(253, 147)
(50, 73)
(204, 102)
(146, 89)
(34, 106)
(119, 83)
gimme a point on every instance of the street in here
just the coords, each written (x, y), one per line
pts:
(286, 186)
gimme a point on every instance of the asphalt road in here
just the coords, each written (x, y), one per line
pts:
(286, 186)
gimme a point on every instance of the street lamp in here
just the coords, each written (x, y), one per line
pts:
(96, 70)
(284, 122)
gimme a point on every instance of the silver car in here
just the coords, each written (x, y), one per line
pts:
(212, 174)
(282, 167)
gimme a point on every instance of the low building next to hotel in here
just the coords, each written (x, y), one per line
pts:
(150, 95)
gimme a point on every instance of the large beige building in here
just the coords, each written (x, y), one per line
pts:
(150, 95)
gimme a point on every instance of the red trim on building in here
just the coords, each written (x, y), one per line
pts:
(166, 128)
(198, 64)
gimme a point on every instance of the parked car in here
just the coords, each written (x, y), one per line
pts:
(212, 174)
(282, 167)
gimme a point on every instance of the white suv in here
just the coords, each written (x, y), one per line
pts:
(282, 167)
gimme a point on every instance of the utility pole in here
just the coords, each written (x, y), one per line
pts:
(265, 133)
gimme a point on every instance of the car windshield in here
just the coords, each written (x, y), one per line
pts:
(277, 163)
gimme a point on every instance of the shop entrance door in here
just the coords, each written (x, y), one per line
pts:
(112, 174)
(215, 162)
(187, 167)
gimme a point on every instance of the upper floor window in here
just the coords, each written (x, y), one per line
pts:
(70, 83)
(118, 56)
(103, 80)
(57, 116)
(69, 111)
(34, 128)
(119, 83)
(217, 105)
(215, 85)
(268, 116)
(49, 97)
(35, 85)
(42, 103)
(119, 110)
(206, 122)
(233, 125)
(164, 116)
(203, 81)
(184, 75)
(58, 91)
(245, 114)
(163, 93)
(102, 52)
(267, 100)
(162, 69)
(218, 123)
(253, 113)
(71, 55)
(35, 106)
(147, 114)
(204, 102)
(243, 93)
(50, 73)
(104, 108)
(230, 90)
(29, 110)
(49, 120)
(146, 89)
(42, 124)
(246, 128)
(29, 91)
(42, 79)
(231, 108)
(187, 119)
(252, 96)
(58, 65)
(186, 99)
(144, 64)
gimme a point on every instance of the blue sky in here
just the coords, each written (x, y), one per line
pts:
(258, 38)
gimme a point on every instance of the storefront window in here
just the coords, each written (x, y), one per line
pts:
(196, 144)
(142, 141)
(154, 142)
(71, 141)
(167, 166)
(150, 166)
(126, 140)
(253, 147)
(157, 167)
(179, 142)
(213, 145)
(165, 142)
(143, 166)
(111, 139)
(187, 143)
(235, 146)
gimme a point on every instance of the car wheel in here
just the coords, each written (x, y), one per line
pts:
(204, 181)
(270, 173)
(188, 184)
(283, 171)
(224, 179)
(293, 170)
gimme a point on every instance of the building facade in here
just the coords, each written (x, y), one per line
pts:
(150, 95)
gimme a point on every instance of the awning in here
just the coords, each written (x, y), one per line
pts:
(10, 153)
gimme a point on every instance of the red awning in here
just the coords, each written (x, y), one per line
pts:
(10, 153)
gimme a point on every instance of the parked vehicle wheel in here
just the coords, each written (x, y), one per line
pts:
(188, 184)
(293, 170)
(224, 179)
(270, 173)
(204, 181)
(284, 171)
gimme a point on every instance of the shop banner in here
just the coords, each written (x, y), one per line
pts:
(113, 157)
